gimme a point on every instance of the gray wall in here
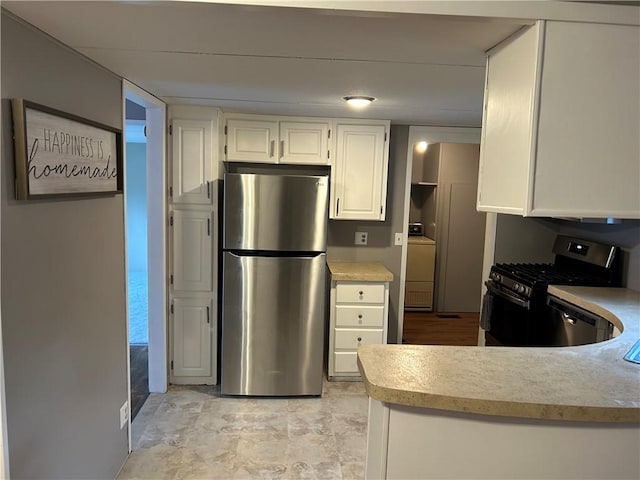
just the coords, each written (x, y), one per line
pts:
(380, 247)
(63, 292)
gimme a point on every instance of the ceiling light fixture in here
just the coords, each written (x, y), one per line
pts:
(358, 100)
(421, 147)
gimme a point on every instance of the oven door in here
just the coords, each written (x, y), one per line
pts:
(510, 317)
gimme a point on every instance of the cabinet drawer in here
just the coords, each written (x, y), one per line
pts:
(345, 362)
(348, 339)
(360, 316)
(360, 293)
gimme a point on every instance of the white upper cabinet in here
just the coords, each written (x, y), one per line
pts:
(305, 143)
(561, 122)
(263, 140)
(359, 173)
(192, 161)
(356, 150)
(252, 141)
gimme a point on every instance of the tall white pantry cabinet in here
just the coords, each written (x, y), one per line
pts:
(193, 219)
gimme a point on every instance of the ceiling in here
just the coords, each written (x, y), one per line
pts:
(423, 69)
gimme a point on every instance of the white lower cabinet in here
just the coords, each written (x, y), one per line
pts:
(358, 317)
(413, 443)
(194, 331)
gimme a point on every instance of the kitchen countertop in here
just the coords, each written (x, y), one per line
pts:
(421, 240)
(589, 383)
(359, 271)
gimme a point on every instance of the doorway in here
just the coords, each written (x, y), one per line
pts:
(137, 258)
(145, 164)
(436, 192)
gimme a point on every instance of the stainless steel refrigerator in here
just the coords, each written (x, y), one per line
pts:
(274, 282)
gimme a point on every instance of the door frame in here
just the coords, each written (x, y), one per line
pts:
(429, 135)
(156, 128)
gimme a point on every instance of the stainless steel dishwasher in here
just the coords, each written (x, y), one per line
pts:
(571, 325)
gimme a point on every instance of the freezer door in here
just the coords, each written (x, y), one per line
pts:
(273, 324)
(275, 212)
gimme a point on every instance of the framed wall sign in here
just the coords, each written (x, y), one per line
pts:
(57, 153)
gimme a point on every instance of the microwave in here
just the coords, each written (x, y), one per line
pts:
(416, 229)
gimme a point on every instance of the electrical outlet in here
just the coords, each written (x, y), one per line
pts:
(399, 237)
(124, 414)
(361, 238)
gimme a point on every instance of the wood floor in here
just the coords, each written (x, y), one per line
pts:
(139, 360)
(439, 328)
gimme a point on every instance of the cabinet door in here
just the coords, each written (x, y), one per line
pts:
(192, 337)
(252, 141)
(360, 172)
(506, 151)
(191, 181)
(192, 247)
(587, 150)
(304, 143)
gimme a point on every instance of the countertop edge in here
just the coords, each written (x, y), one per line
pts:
(497, 408)
(516, 408)
(351, 271)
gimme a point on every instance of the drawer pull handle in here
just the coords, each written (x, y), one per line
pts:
(361, 292)
(359, 339)
(360, 316)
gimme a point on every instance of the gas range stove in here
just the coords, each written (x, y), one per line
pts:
(578, 262)
(517, 311)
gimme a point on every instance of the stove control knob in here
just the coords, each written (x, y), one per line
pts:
(496, 276)
(518, 288)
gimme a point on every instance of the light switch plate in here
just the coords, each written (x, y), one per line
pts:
(398, 238)
(124, 414)
(361, 238)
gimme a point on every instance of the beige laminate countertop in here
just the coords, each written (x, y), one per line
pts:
(359, 271)
(421, 240)
(590, 383)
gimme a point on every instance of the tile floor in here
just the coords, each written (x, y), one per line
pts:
(195, 433)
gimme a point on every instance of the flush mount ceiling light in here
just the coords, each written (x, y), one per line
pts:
(358, 100)
(421, 147)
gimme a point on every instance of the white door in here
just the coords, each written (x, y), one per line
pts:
(193, 330)
(304, 143)
(360, 175)
(191, 182)
(192, 250)
(252, 141)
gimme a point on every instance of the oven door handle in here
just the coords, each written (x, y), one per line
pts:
(498, 292)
